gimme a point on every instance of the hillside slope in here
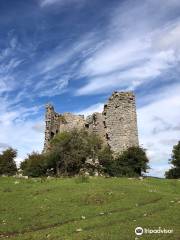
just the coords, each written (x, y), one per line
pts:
(100, 209)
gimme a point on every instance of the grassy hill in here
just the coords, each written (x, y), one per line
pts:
(100, 209)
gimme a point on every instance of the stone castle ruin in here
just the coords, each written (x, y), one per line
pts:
(116, 125)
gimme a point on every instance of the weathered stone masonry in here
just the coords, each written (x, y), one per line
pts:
(116, 125)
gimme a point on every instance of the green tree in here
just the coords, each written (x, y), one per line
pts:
(69, 151)
(174, 172)
(7, 162)
(34, 165)
(132, 162)
(106, 159)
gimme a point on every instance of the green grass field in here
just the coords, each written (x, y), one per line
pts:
(101, 209)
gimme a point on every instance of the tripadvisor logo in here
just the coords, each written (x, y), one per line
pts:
(139, 231)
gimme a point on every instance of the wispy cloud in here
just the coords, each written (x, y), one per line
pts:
(98, 107)
(44, 3)
(22, 136)
(18, 128)
(58, 67)
(39, 127)
(8, 64)
(159, 125)
(3, 146)
(152, 51)
(159, 170)
(60, 56)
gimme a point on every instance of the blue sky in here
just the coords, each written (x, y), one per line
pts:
(74, 53)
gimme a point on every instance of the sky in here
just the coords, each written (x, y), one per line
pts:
(75, 53)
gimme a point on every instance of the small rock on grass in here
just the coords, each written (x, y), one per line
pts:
(79, 230)
(110, 193)
(101, 213)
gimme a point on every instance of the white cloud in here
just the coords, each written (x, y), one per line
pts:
(55, 76)
(18, 126)
(49, 2)
(161, 114)
(44, 3)
(130, 78)
(52, 88)
(158, 171)
(135, 49)
(21, 133)
(9, 63)
(55, 60)
(115, 56)
(3, 146)
(92, 109)
(60, 56)
(22, 136)
(9, 50)
(39, 127)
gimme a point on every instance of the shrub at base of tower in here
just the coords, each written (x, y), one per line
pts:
(7, 163)
(106, 159)
(79, 152)
(70, 150)
(34, 165)
(175, 161)
(131, 163)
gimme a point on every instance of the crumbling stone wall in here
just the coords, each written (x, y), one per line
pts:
(70, 121)
(116, 125)
(120, 121)
(95, 123)
(57, 123)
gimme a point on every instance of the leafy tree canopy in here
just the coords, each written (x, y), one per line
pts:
(132, 162)
(175, 161)
(34, 165)
(7, 162)
(69, 151)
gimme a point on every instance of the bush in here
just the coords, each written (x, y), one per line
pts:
(131, 163)
(69, 151)
(175, 161)
(105, 157)
(173, 173)
(7, 162)
(79, 151)
(34, 165)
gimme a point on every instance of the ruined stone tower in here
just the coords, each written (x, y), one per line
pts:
(116, 125)
(120, 121)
